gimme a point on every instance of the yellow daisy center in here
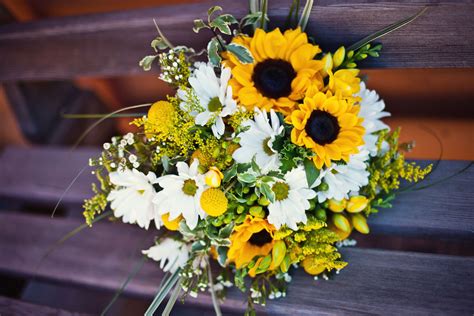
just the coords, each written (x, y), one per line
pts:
(273, 77)
(281, 190)
(322, 127)
(214, 202)
(189, 187)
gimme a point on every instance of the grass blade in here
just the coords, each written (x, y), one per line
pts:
(90, 128)
(389, 29)
(96, 116)
(172, 301)
(305, 14)
(217, 309)
(162, 292)
(130, 276)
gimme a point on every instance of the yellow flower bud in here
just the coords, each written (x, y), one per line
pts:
(312, 267)
(341, 222)
(253, 270)
(357, 204)
(342, 235)
(339, 56)
(173, 224)
(214, 177)
(327, 64)
(360, 223)
(278, 254)
(337, 206)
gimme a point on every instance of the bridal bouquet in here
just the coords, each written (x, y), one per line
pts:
(268, 156)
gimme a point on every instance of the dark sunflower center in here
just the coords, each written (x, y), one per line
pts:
(273, 77)
(322, 127)
(261, 238)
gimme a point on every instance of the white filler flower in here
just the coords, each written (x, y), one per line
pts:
(181, 194)
(371, 110)
(291, 200)
(171, 254)
(132, 198)
(214, 95)
(257, 141)
(344, 178)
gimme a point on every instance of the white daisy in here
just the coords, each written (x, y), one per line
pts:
(257, 141)
(371, 109)
(291, 200)
(343, 179)
(171, 254)
(214, 95)
(181, 194)
(132, 197)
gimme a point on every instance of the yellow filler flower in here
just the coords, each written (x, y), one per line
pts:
(282, 70)
(329, 126)
(254, 237)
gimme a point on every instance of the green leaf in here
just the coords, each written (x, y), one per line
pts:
(212, 10)
(213, 52)
(158, 44)
(242, 167)
(255, 166)
(198, 246)
(228, 18)
(241, 52)
(264, 264)
(386, 30)
(312, 173)
(199, 25)
(222, 255)
(221, 25)
(226, 230)
(246, 178)
(147, 61)
(267, 191)
(165, 161)
(230, 173)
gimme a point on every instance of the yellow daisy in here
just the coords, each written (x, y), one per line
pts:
(328, 125)
(282, 70)
(254, 237)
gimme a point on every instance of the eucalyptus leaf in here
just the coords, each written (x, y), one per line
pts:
(213, 52)
(312, 173)
(226, 230)
(147, 61)
(241, 52)
(228, 18)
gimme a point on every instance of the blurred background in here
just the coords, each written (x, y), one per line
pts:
(432, 106)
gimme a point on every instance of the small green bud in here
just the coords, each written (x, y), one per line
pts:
(263, 201)
(312, 204)
(257, 211)
(240, 209)
(216, 152)
(321, 214)
(245, 190)
(323, 187)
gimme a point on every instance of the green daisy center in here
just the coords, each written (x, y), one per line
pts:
(266, 147)
(281, 190)
(214, 105)
(189, 187)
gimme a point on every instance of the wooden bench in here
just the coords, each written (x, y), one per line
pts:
(378, 281)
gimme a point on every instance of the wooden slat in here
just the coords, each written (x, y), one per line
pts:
(445, 210)
(113, 43)
(378, 282)
(9, 306)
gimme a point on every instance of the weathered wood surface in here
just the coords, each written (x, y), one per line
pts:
(113, 43)
(376, 282)
(12, 307)
(445, 210)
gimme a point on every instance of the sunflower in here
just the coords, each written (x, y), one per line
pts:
(328, 125)
(254, 237)
(282, 70)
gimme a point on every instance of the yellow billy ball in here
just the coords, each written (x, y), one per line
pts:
(214, 202)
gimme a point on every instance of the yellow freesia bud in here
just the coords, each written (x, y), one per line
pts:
(341, 222)
(173, 224)
(312, 267)
(357, 204)
(342, 234)
(339, 56)
(253, 270)
(337, 206)
(327, 64)
(214, 177)
(360, 223)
